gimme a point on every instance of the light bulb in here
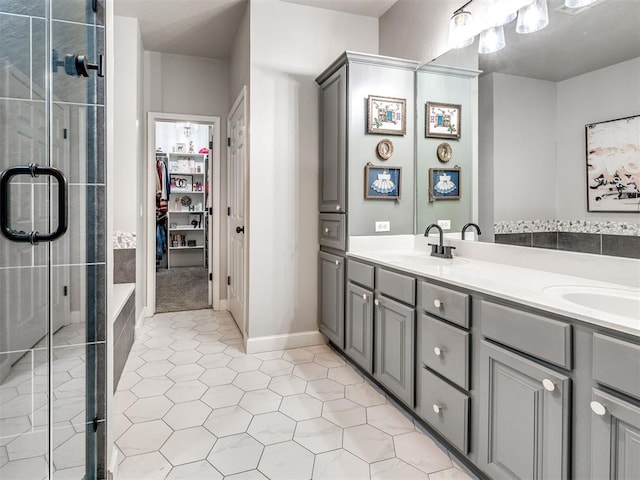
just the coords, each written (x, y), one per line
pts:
(492, 40)
(533, 17)
(460, 35)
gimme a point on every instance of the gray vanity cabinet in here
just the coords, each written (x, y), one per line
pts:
(359, 326)
(615, 438)
(333, 115)
(331, 297)
(394, 347)
(524, 417)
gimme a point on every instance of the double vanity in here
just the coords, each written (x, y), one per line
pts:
(525, 363)
(524, 373)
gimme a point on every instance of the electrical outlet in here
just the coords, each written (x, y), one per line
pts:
(445, 224)
(383, 226)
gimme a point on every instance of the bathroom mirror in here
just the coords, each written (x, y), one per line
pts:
(535, 98)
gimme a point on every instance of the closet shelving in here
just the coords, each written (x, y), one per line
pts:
(187, 207)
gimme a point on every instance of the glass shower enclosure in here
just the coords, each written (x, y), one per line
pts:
(52, 240)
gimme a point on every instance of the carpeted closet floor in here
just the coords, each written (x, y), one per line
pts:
(181, 288)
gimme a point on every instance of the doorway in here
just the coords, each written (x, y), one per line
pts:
(182, 213)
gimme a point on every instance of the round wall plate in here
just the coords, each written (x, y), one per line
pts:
(384, 149)
(444, 152)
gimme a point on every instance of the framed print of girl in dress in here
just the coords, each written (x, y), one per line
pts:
(381, 183)
(444, 184)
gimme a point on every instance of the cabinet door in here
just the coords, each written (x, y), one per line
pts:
(332, 297)
(615, 438)
(359, 326)
(394, 347)
(524, 417)
(333, 117)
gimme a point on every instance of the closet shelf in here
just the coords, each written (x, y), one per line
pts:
(187, 248)
(176, 192)
(186, 227)
(186, 211)
(184, 172)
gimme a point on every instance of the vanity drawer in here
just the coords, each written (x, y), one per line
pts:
(396, 285)
(539, 336)
(445, 349)
(445, 303)
(332, 230)
(360, 273)
(445, 408)
(616, 363)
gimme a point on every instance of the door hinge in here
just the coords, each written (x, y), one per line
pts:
(65, 290)
(228, 211)
(211, 277)
(210, 211)
(228, 141)
(65, 133)
(210, 145)
(228, 280)
(95, 423)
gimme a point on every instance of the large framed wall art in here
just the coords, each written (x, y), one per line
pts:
(613, 165)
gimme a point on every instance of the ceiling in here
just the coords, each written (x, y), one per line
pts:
(207, 28)
(603, 35)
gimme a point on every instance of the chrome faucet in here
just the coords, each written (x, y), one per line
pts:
(439, 249)
(470, 224)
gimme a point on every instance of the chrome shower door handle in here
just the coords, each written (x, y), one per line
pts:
(33, 170)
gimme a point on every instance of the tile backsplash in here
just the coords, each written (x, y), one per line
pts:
(621, 239)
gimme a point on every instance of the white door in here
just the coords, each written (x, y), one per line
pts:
(235, 224)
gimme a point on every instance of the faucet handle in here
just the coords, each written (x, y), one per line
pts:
(434, 247)
(446, 251)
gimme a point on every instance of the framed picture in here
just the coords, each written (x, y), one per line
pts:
(181, 148)
(443, 120)
(386, 115)
(613, 165)
(181, 183)
(382, 183)
(444, 184)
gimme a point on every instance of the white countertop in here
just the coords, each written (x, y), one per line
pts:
(527, 286)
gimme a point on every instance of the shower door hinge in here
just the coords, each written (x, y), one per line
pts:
(228, 141)
(228, 280)
(211, 277)
(95, 423)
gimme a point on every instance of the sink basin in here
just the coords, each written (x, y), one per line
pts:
(616, 301)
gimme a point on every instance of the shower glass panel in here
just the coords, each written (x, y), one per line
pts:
(52, 293)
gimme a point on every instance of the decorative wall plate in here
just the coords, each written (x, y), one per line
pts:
(444, 152)
(384, 149)
(186, 201)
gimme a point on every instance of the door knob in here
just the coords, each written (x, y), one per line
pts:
(239, 229)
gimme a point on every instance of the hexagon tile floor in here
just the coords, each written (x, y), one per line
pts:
(192, 405)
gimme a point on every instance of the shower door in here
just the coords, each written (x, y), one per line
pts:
(52, 242)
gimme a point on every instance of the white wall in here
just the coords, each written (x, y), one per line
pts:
(290, 46)
(605, 94)
(240, 59)
(127, 130)
(524, 148)
(416, 29)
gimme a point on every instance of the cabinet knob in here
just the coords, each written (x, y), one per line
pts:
(437, 303)
(337, 263)
(327, 230)
(376, 302)
(364, 296)
(438, 351)
(437, 408)
(548, 385)
(598, 408)
(338, 207)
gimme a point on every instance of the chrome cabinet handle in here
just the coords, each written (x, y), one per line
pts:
(437, 408)
(598, 408)
(364, 296)
(376, 302)
(438, 351)
(548, 385)
(437, 303)
(337, 263)
(338, 207)
(34, 170)
(327, 230)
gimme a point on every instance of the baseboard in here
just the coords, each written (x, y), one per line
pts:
(223, 305)
(282, 342)
(140, 321)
